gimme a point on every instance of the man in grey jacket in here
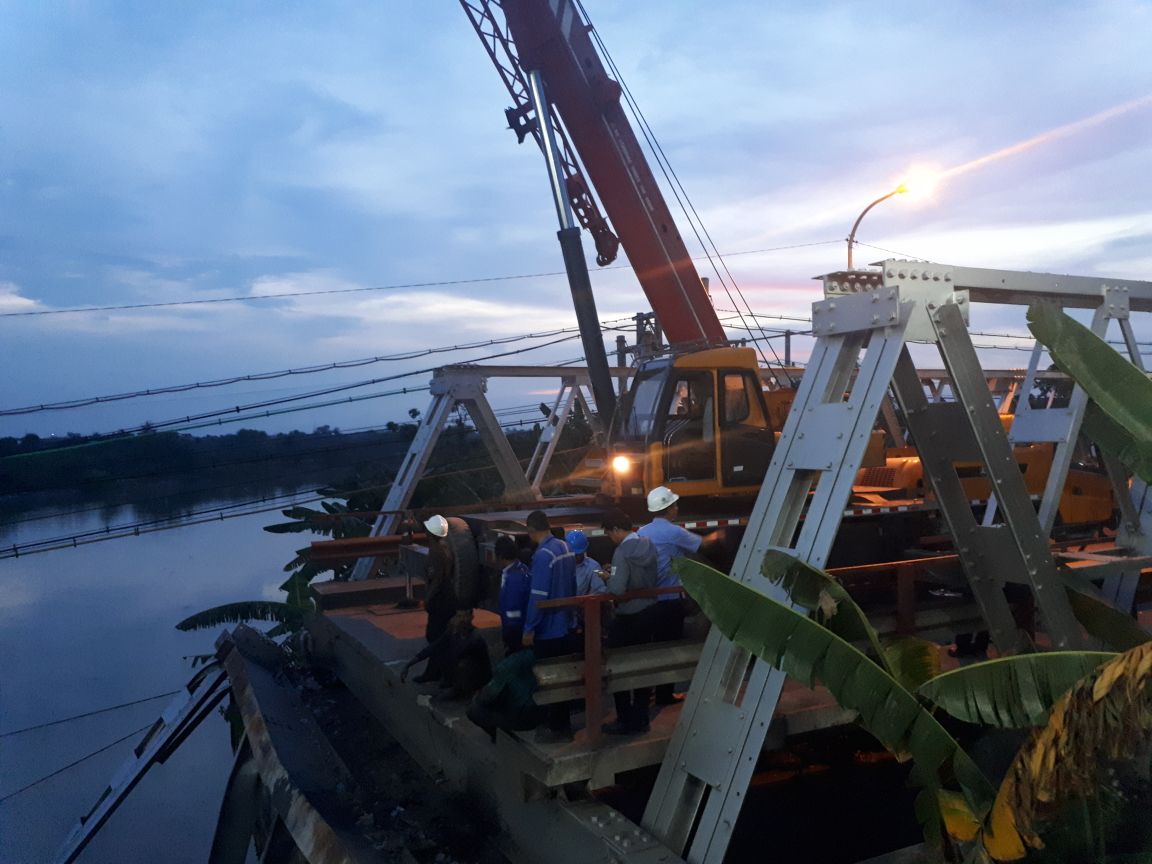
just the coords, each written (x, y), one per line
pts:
(633, 569)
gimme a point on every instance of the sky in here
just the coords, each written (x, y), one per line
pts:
(152, 153)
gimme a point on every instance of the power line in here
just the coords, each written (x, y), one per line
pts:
(412, 285)
(88, 714)
(891, 251)
(280, 295)
(84, 758)
(183, 424)
(280, 373)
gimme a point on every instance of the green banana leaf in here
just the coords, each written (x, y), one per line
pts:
(249, 610)
(1115, 440)
(1115, 629)
(821, 594)
(1011, 692)
(1121, 393)
(909, 660)
(808, 652)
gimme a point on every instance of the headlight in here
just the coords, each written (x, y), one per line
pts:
(621, 465)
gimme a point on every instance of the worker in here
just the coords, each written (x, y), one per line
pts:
(451, 579)
(672, 541)
(505, 702)
(462, 655)
(633, 569)
(439, 592)
(589, 575)
(514, 582)
(588, 578)
(548, 632)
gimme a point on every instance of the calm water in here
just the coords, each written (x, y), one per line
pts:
(85, 628)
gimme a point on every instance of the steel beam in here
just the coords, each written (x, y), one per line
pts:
(710, 760)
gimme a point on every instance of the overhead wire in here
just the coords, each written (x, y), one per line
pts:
(190, 422)
(74, 763)
(93, 713)
(206, 301)
(283, 373)
(280, 295)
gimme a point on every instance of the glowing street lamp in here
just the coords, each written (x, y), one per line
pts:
(920, 183)
(899, 190)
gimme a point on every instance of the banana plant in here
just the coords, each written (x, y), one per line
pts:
(809, 651)
(1119, 414)
(1034, 690)
(336, 519)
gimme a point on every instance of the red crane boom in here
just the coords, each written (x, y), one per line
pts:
(551, 37)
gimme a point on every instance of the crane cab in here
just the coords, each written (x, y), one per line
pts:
(699, 421)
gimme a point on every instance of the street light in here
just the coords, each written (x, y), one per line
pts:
(899, 190)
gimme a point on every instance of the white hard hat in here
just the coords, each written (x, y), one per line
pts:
(661, 498)
(437, 526)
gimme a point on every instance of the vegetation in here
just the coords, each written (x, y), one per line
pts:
(136, 469)
(1092, 753)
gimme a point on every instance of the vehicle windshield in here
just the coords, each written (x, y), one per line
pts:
(641, 407)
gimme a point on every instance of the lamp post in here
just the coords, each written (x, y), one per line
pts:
(852, 234)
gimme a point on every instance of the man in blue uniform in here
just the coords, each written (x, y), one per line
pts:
(589, 576)
(514, 582)
(548, 631)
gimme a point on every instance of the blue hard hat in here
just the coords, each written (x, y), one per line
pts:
(577, 541)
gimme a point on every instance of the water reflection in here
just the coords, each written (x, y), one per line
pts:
(89, 627)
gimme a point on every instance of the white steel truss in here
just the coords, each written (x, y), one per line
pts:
(862, 328)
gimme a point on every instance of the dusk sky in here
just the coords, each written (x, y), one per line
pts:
(157, 152)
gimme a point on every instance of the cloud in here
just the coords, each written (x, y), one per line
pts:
(11, 300)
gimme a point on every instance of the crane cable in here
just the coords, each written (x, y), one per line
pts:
(678, 190)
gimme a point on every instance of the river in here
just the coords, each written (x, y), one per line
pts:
(89, 627)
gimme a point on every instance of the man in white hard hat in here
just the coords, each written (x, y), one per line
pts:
(671, 541)
(450, 581)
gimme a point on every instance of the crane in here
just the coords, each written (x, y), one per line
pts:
(697, 417)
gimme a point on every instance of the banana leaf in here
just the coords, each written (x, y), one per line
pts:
(1121, 393)
(909, 660)
(1115, 629)
(291, 527)
(1102, 722)
(1115, 440)
(821, 594)
(249, 610)
(1011, 692)
(808, 651)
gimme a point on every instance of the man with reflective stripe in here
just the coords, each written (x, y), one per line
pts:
(514, 581)
(671, 541)
(547, 631)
